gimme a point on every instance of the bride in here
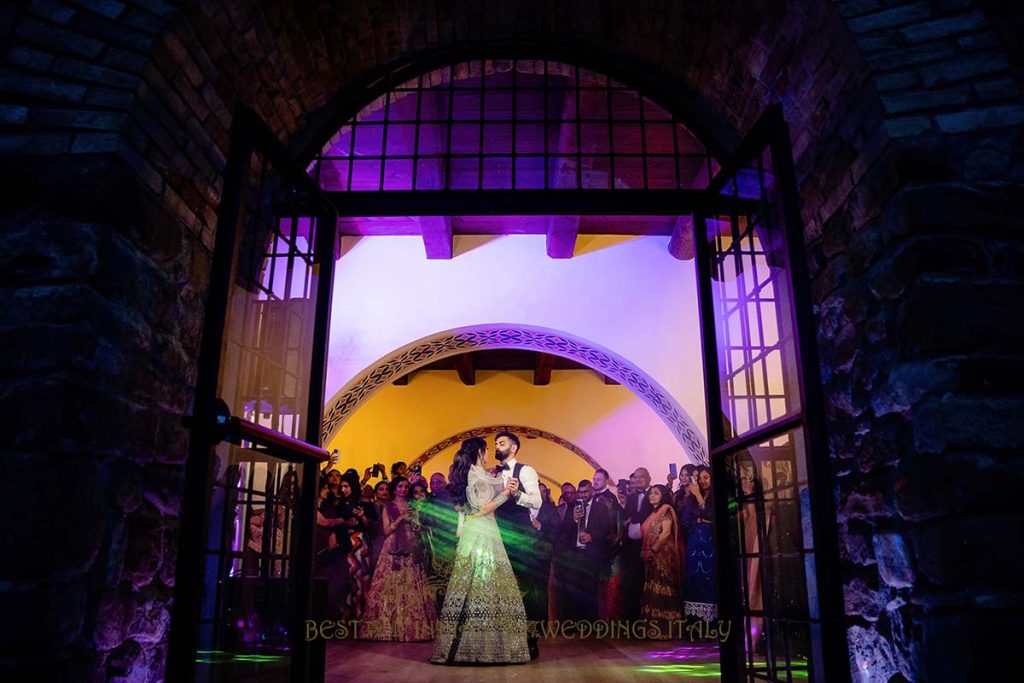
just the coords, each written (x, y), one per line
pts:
(483, 620)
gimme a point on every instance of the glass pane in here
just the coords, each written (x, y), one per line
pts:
(769, 507)
(758, 366)
(269, 328)
(401, 139)
(248, 598)
(430, 173)
(248, 586)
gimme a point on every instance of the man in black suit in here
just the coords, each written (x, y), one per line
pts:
(636, 511)
(586, 537)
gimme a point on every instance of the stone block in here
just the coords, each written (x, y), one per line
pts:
(871, 654)
(971, 552)
(42, 87)
(44, 544)
(981, 119)
(56, 12)
(92, 73)
(41, 617)
(12, 114)
(895, 565)
(984, 645)
(950, 316)
(971, 423)
(907, 126)
(946, 26)
(864, 599)
(33, 60)
(1001, 89)
(928, 99)
(963, 68)
(910, 259)
(889, 18)
(48, 35)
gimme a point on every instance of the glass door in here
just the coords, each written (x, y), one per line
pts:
(244, 584)
(771, 477)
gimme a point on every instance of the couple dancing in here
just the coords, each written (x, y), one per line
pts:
(498, 580)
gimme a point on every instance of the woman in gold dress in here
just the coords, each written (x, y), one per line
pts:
(662, 555)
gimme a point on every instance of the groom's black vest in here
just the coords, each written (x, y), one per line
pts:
(512, 513)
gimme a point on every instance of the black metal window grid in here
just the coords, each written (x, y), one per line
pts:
(763, 428)
(493, 124)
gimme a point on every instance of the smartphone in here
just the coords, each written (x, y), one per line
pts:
(672, 469)
(376, 471)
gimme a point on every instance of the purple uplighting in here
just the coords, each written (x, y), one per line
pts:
(485, 125)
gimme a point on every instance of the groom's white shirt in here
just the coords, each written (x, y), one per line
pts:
(529, 484)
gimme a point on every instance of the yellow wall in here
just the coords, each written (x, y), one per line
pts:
(607, 421)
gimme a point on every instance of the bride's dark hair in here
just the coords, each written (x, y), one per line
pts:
(458, 475)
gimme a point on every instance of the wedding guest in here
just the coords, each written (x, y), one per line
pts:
(381, 496)
(331, 546)
(686, 475)
(636, 511)
(567, 500)
(359, 522)
(609, 590)
(366, 494)
(439, 520)
(661, 554)
(586, 534)
(698, 518)
(398, 606)
(422, 538)
(622, 492)
(546, 522)
(439, 487)
(601, 487)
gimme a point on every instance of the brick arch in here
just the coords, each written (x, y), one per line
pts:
(509, 336)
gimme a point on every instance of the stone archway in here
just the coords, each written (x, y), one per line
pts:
(510, 336)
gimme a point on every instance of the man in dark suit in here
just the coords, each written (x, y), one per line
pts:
(636, 511)
(567, 500)
(586, 537)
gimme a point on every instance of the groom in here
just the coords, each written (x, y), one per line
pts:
(518, 533)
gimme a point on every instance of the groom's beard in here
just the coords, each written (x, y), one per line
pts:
(501, 455)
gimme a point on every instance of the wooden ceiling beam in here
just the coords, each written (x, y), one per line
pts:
(680, 245)
(562, 232)
(466, 369)
(437, 236)
(542, 369)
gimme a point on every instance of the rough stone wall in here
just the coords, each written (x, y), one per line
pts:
(906, 124)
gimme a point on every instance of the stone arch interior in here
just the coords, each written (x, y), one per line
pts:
(726, 185)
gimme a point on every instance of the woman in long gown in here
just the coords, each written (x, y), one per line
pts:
(661, 553)
(399, 606)
(698, 517)
(359, 521)
(483, 620)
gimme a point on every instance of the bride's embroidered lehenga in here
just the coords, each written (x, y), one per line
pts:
(483, 620)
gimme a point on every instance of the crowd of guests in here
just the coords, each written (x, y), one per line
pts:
(628, 551)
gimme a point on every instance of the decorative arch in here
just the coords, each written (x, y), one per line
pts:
(529, 432)
(512, 336)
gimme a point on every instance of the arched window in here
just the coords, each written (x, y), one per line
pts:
(513, 124)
